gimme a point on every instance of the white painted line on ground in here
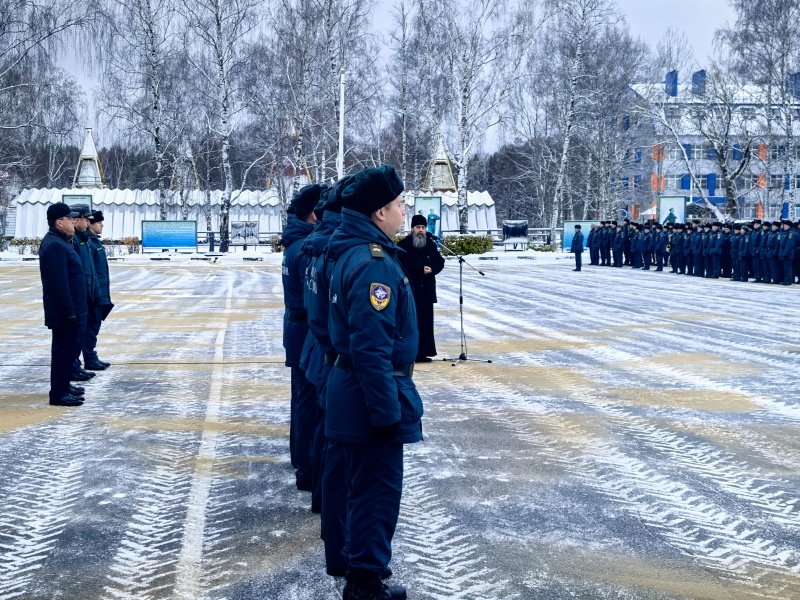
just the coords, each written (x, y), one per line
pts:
(190, 562)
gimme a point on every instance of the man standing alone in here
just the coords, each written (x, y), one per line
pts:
(577, 247)
(422, 262)
(65, 307)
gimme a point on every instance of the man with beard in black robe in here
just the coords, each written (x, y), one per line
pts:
(422, 262)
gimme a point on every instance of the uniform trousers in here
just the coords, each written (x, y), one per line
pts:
(676, 260)
(775, 269)
(93, 324)
(578, 262)
(786, 271)
(334, 509)
(374, 475)
(64, 350)
(688, 267)
(617, 258)
(715, 266)
(304, 419)
(766, 274)
(594, 256)
(659, 261)
(744, 269)
(646, 261)
(320, 441)
(699, 265)
(757, 268)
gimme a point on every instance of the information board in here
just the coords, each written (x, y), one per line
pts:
(244, 233)
(169, 234)
(73, 199)
(569, 232)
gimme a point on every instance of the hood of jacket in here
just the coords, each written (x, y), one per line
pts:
(318, 240)
(357, 229)
(295, 230)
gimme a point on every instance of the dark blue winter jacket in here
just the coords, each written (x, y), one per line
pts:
(373, 325)
(295, 326)
(63, 281)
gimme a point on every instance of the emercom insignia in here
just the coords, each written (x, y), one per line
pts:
(379, 295)
(376, 251)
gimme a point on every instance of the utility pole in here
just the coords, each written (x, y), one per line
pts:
(340, 156)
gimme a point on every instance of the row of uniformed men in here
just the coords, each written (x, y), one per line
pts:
(767, 252)
(350, 335)
(76, 297)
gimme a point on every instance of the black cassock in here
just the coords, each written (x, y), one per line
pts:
(414, 260)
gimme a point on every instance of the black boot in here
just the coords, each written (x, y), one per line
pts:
(367, 585)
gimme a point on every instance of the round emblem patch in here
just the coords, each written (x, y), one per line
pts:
(379, 295)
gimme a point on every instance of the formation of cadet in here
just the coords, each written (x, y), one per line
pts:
(762, 252)
(76, 297)
(351, 338)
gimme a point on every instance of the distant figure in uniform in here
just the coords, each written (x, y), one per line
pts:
(688, 257)
(660, 240)
(646, 247)
(373, 407)
(670, 218)
(773, 243)
(796, 263)
(422, 262)
(618, 246)
(786, 252)
(676, 249)
(593, 244)
(745, 255)
(65, 302)
(577, 247)
(303, 409)
(81, 243)
(102, 304)
(756, 242)
(715, 245)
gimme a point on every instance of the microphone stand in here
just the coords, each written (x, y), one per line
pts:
(461, 262)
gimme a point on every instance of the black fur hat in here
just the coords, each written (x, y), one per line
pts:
(372, 189)
(306, 199)
(333, 199)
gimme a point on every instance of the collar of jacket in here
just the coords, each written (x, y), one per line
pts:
(361, 226)
(296, 229)
(81, 236)
(61, 234)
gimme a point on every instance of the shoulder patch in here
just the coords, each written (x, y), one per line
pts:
(376, 251)
(379, 295)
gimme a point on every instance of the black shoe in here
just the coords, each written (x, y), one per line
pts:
(304, 487)
(423, 359)
(94, 366)
(66, 400)
(367, 585)
(576, 269)
(104, 363)
(81, 376)
(76, 390)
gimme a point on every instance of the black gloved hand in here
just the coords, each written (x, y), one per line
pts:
(384, 432)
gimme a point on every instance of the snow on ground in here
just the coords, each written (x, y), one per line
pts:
(635, 436)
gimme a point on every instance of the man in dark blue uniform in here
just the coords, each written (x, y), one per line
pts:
(373, 406)
(80, 242)
(101, 305)
(715, 245)
(618, 246)
(660, 240)
(796, 263)
(330, 488)
(697, 252)
(577, 247)
(646, 247)
(676, 248)
(725, 258)
(636, 251)
(786, 252)
(773, 243)
(303, 411)
(756, 242)
(688, 257)
(745, 255)
(593, 244)
(64, 298)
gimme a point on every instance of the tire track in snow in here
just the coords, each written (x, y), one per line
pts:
(36, 509)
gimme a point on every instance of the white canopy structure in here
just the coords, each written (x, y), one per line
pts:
(124, 210)
(481, 216)
(89, 172)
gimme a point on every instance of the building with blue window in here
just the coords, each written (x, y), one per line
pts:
(734, 146)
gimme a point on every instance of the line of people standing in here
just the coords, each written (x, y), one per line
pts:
(351, 339)
(76, 297)
(764, 252)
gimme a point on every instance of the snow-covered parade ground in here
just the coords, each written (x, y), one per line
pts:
(637, 435)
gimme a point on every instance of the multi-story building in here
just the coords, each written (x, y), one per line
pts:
(733, 147)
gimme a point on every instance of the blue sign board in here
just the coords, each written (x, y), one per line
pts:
(169, 234)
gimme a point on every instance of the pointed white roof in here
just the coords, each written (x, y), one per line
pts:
(89, 172)
(440, 173)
